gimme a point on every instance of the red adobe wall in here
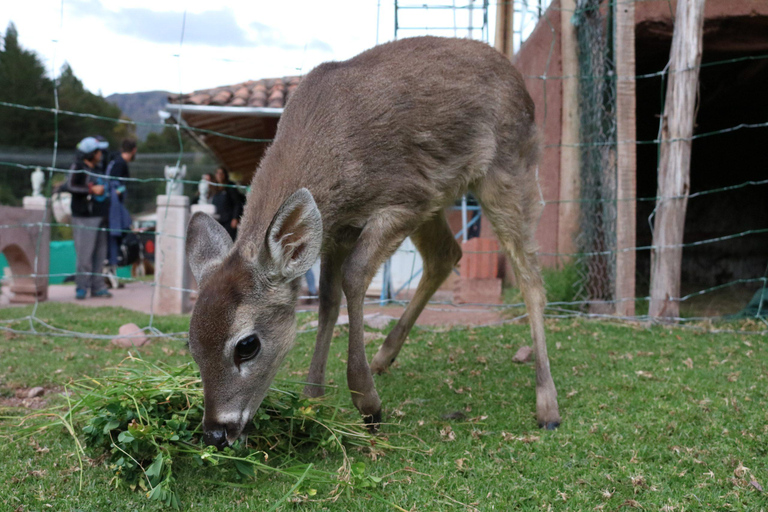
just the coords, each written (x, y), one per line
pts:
(540, 56)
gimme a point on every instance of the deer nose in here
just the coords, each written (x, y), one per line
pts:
(217, 437)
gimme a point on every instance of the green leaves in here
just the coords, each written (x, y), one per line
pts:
(361, 480)
(245, 468)
(146, 417)
(125, 437)
(110, 425)
(154, 471)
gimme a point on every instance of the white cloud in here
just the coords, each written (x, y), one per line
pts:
(113, 47)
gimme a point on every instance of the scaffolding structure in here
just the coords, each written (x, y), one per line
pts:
(468, 20)
(526, 15)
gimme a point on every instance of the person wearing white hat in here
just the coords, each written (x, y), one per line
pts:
(88, 219)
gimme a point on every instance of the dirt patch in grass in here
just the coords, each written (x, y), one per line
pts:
(22, 400)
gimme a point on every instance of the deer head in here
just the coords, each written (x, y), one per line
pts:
(244, 321)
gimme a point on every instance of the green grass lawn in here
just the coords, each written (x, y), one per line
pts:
(653, 419)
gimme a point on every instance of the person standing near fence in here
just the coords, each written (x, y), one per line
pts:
(89, 211)
(118, 167)
(118, 215)
(106, 155)
(228, 202)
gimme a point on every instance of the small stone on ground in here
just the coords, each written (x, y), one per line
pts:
(372, 336)
(377, 320)
(35, 392)
(130, 335)
(523, 355)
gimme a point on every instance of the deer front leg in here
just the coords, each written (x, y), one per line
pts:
(377, 242)
(439, 252)
(330, 301)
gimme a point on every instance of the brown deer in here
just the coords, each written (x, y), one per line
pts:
(368, 151)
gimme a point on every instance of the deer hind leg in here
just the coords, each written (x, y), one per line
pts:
(330, 302)
(510, 201)
(440, 253)
(376, 243)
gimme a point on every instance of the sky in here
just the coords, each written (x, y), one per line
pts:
(129, 46)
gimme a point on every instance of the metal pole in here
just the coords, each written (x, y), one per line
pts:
(464, 218)
(386, 283)
(471, 9)
(454, 19)
(396, 25)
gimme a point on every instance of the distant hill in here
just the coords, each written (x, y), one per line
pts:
(142, 107)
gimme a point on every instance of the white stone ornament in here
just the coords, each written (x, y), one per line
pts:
(38, 178)
(202, 189)
(175, 175)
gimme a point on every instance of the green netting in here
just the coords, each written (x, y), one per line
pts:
(757, 307)
(597, 107)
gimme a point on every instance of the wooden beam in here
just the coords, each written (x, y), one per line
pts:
(626, 156)
(570, 158)
(675, 161)
(503, 40)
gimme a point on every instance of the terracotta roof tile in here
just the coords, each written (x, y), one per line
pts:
(199, 99)
(267, 92)
(276, 98)
(258, 96)
(221, 98)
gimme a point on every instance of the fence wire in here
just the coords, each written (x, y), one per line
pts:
(595, 256)
(596, 264)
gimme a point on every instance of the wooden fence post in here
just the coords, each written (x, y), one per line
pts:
(626, 156)
(504, 33)
(570, 154)
(675, 161)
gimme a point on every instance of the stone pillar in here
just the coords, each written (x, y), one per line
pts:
(205, 208)
(36, 203)
(27, 248)
(173, 276)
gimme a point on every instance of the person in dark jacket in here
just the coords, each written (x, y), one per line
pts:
(118, 168)
(228, 202)
(89, 210)
(106, 155)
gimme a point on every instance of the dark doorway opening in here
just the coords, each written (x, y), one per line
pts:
(732, 94)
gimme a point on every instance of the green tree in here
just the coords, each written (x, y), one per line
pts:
(23, 81)
(74, 97)
(167, 141)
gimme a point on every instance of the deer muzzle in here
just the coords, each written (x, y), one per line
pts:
(217, 437)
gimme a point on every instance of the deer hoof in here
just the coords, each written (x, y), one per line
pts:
(373, 421)
(377, 370)
(313, 391)
(381, 363)
(550, 425)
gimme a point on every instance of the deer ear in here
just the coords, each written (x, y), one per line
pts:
(207, 244)
(295, 236)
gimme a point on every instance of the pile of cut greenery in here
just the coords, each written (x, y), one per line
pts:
(141, 418)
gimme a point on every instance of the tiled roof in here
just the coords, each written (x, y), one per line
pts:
(268, 92)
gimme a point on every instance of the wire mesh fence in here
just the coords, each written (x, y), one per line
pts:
(721, 254)
(597, 100)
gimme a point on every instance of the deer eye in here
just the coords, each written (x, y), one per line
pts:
(248, 347)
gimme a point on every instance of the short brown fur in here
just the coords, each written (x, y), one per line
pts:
(376, 146)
